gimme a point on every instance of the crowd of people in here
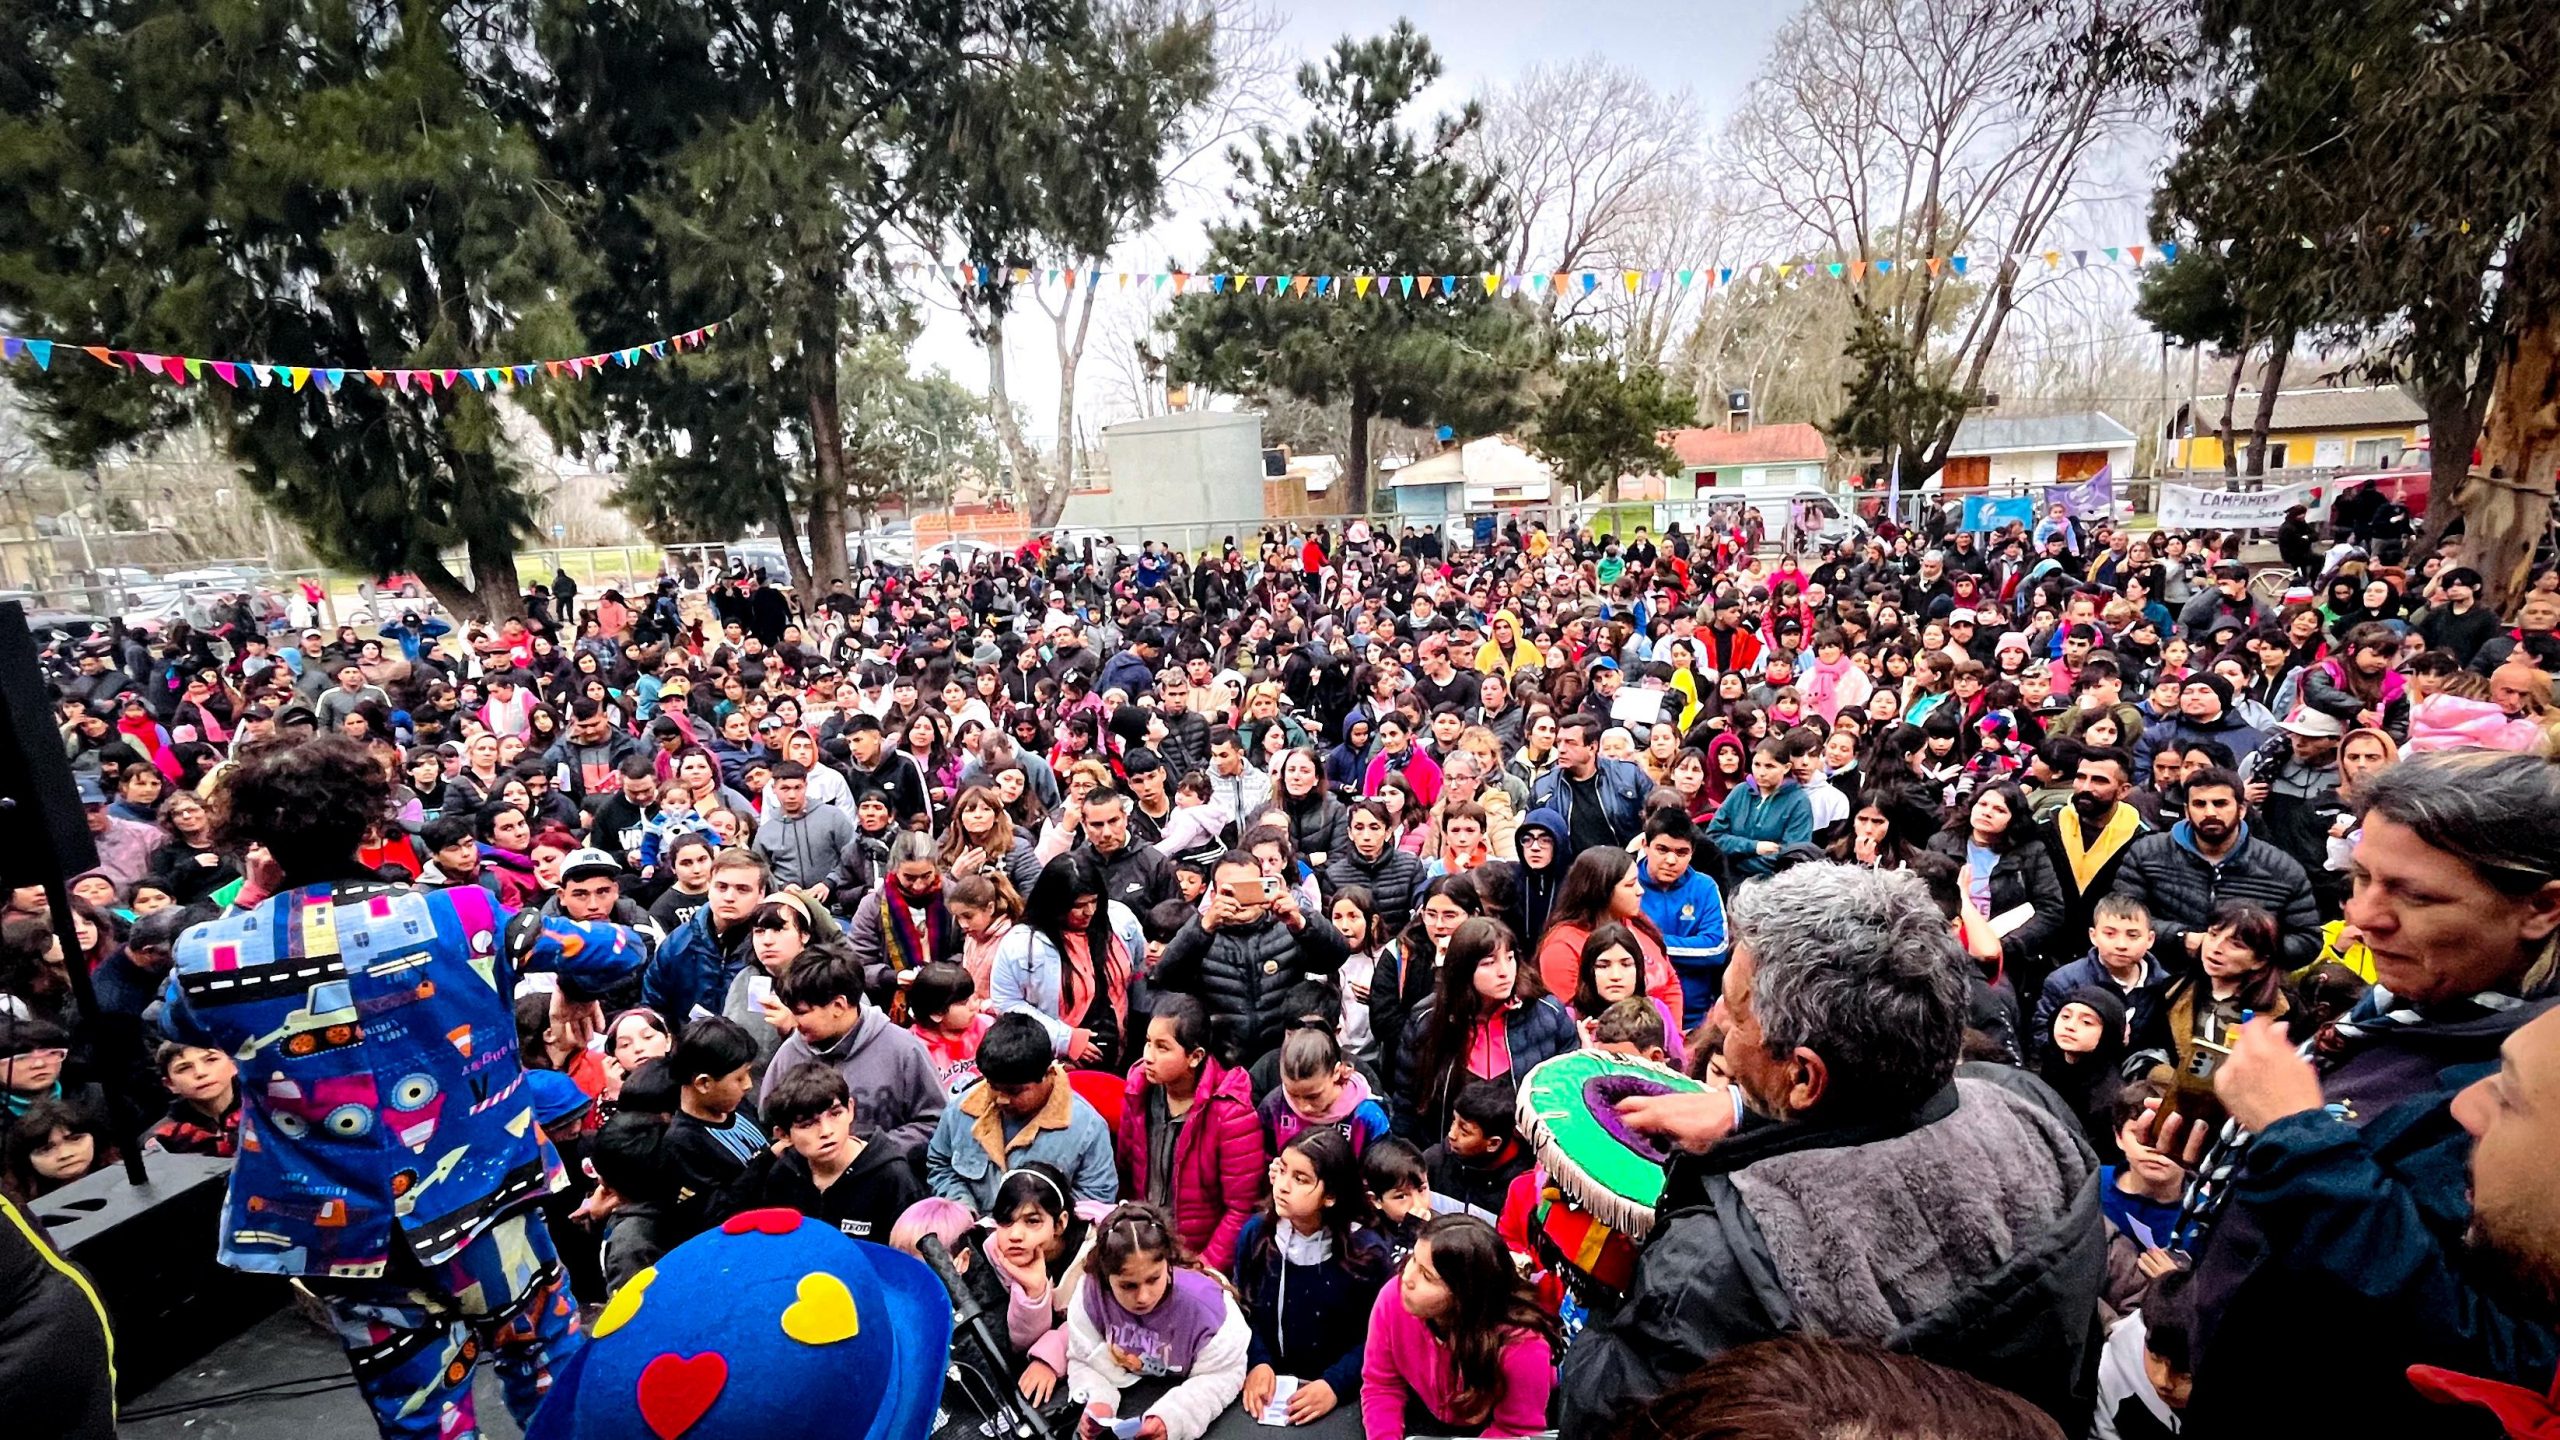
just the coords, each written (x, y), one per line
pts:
(2091, 965)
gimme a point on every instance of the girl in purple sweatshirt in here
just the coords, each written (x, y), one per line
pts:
(1145, 1309)
(1457, 1341)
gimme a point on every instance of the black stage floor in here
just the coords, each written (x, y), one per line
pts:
(202, 1401)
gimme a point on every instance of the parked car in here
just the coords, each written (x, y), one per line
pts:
(233, 577)
(2409, 487)
(201, 606)
(964, 553)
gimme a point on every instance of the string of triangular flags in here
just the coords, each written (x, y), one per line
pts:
(261, 374)
(1362, 284)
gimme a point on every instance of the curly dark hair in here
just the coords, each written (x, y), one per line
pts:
(309, 802)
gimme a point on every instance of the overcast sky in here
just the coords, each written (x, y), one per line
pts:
(1709, 47)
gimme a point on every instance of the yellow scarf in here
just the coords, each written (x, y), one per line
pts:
(2088, 858)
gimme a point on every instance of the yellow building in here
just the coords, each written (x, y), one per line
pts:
(2324, 429)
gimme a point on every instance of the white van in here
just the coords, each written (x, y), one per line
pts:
(1823, 517)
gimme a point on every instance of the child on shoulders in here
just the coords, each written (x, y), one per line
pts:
(945, 1011)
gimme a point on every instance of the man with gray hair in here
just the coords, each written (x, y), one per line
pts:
(1856, 1181)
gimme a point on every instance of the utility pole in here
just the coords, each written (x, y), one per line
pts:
(71, 517)
(2167, 428)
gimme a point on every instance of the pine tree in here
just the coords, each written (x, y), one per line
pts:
(302, 183)
(1355, 187)
(1600, 418)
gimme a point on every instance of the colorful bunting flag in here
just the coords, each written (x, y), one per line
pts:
(253, 374)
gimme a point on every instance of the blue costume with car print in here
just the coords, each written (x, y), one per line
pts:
(389, 1146)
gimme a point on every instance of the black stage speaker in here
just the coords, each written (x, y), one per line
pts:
(149, 1250)
(47, 830)
(40, 808)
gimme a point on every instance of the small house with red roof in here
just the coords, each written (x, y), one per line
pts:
(1762, 457)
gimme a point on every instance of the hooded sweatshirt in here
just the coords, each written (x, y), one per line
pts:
(1539, 888)
(863, 1202)
(1355, 1112)
(897, 1093)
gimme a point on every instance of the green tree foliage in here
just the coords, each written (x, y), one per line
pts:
(2197, 300)
(1069, 157)
(1355, 186)
(1897, 407)
(752, 160)
(2391, 166)
(1601, 418)
(910, 437)
(304, 183)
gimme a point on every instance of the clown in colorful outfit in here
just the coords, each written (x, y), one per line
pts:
(390, 1155)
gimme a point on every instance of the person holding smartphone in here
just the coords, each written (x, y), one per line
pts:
(1245, 950)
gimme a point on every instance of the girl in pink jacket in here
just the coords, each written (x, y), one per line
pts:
(1457, 1341)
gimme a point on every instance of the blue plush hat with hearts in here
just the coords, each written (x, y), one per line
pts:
(770, 1327)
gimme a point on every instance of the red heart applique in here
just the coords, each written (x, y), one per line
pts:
(763, 1222)
(677, 1390)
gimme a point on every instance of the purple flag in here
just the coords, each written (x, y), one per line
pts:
(2082, 499)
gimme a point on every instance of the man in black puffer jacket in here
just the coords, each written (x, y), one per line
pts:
(2210, 857)
(1371, 859)
(1243, 954)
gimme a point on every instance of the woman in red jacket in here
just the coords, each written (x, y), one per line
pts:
(1190, 1140)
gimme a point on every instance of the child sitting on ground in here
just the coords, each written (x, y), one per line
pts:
(1309, 1266)
(1145, 1309)
(827, 1172)
(1023, 1265)
(1399, 1187)
(204, 1102)
(1456, 1344)
(1472, 1170)
(1318, 1087)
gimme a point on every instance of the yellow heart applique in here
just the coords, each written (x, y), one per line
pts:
(823, 1314)
(624, 1304)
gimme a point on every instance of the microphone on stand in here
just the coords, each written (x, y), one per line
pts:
(1006, 1405)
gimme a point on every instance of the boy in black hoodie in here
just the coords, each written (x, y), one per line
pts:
(1472, 1170)
(827, 1172)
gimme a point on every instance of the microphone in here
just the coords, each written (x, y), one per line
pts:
(1006, 1406)
(964, 1304)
